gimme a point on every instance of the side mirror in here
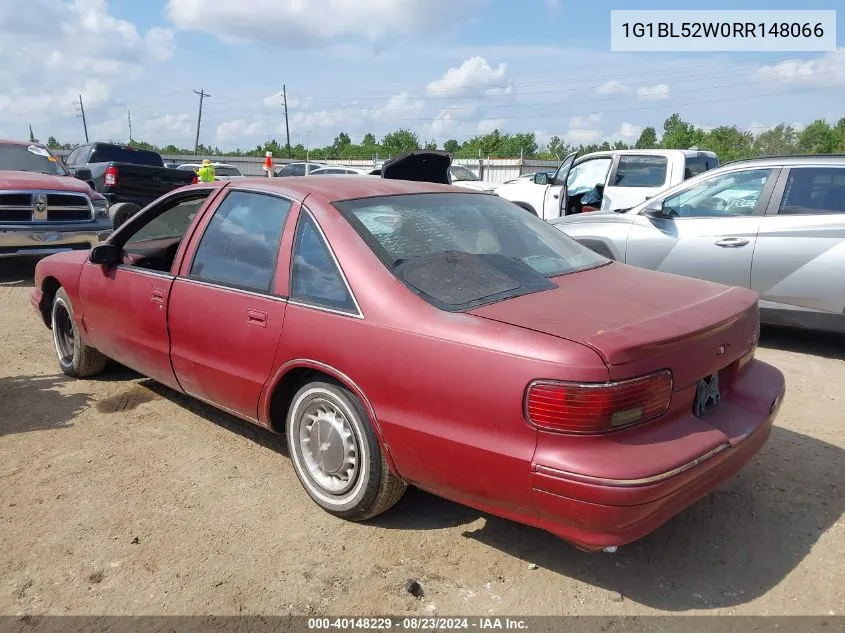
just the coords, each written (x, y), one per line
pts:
(654, 209)
(541, 178)
(83, 173)
(104, 255)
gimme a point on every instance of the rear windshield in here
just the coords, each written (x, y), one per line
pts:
(459, 251)
(699, 164)
(641, 171)
(29, 158)
(122, 154)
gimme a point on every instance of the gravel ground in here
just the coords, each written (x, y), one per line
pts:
(119, 496)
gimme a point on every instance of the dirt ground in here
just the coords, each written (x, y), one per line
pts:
(118, 496)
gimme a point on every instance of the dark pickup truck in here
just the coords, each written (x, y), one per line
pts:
(129, 178)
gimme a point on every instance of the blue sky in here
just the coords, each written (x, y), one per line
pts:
(443, 68)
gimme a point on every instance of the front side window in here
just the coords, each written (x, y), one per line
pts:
(728, 195)
(462, 250)
(814, 190)
(296, 169)
(585, 176)
(641, 171)
(240, 246)
(315, 278)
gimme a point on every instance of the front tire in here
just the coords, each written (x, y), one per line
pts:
(336, 455)
(76, 359)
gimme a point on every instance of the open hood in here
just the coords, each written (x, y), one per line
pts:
(420, 166)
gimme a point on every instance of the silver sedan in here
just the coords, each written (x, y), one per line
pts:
(775, 225)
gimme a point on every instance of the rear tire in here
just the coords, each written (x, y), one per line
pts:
(121, 212)
(76, 359)
(336, 455)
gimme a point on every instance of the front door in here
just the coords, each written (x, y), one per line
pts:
(125, 306)
(225, 318)
(708, 230)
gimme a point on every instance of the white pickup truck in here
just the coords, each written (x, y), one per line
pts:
(605, 181)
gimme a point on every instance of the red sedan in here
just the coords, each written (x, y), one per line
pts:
(414, 333)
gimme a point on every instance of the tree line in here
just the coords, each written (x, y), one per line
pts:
(729, 143)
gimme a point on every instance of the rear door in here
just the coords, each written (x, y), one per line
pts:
(712, 231)
(800, 255)
(634, 179)
(226, 313)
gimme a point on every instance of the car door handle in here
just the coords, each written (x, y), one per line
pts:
(158, 295)
(256, 317)
(732, 242)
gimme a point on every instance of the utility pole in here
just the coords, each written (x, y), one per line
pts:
(129, 116)
(81, 115)
(202, 95)
(287, 128)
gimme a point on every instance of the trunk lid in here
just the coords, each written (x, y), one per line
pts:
(641, 321)
(420, 165)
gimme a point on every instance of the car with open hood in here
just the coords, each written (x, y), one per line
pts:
(411, 333)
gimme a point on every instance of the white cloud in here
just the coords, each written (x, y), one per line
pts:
(627, 132)
(232, 130)
(612, 87)
(485, 126)
(296, 23)
(474, 77)
(83, 50)
(658, 92)
(400, 106)
(584, 130)
(451, 122)
(829, 69)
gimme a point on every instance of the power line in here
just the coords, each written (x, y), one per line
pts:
(202, 95)
(129, 116)
(81, 109)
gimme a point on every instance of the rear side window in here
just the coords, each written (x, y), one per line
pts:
(240, 246)
(315, 278)
(695, 165)
(814, 190)
(226, 171)
(641, 171)
(296, 169)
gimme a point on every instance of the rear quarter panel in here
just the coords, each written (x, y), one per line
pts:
(446, 390)
(604, 233)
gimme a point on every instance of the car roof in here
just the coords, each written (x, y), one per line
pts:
(649, 152)
(793, 159)
(20, 143)
(343, 187)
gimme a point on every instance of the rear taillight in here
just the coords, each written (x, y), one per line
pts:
(597, 407)
(110, 179)
(195, 179)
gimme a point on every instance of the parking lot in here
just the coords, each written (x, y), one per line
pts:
(118, 495)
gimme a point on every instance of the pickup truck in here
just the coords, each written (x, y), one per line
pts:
(605, 181)
(129, 178)
(43, 209)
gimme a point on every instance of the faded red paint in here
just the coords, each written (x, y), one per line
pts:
(445, 392)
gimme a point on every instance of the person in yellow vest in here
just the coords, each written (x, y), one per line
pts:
(206, 172)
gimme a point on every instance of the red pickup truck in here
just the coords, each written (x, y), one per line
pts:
(43, 208)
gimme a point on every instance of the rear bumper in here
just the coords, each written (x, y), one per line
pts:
(48, 239)
(594, 513)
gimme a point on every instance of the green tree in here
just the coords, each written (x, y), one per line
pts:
(840, 133)
(400, 141)
(729, 143)
(678, 134)
(430, 145)
(778, 141)
(452, 146)
(818, 138)
(556, 147)
(648, 139)
(142, 145)
(369, 139)
(52, 143)
(341, 142)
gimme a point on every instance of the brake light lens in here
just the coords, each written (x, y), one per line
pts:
(594, 408)
(195, 180)
(110, 179)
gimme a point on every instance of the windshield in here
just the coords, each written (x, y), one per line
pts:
(30, 158)
(226, 171)
(470, 249)
(462, 173)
